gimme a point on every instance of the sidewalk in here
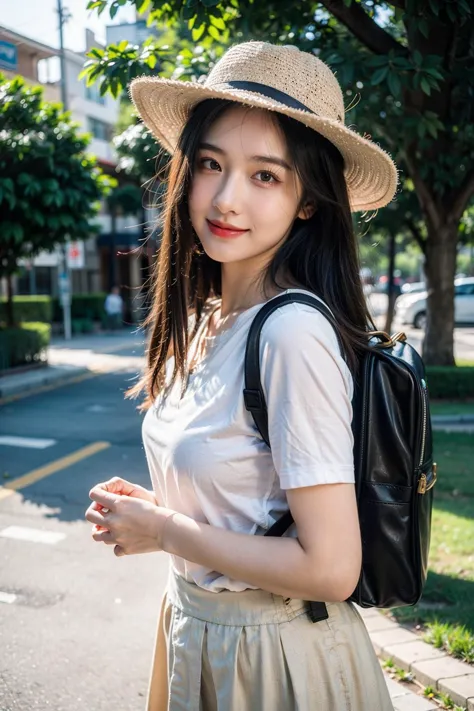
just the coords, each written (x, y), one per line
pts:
(429, 666)
(77, 359)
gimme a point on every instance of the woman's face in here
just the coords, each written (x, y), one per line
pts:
(244, 178)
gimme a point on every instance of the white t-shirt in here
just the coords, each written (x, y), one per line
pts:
(206, 457)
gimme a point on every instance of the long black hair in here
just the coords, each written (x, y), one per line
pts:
(320, 254)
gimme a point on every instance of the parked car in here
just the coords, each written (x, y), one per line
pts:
(411, 308)
(413, 287)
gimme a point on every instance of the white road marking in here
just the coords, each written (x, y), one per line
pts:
(35, 535)
(97, 408)
(29, 442)
(7, 598)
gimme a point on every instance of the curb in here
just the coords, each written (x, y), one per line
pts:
(452, 419)
(10, 392)
(430, 666)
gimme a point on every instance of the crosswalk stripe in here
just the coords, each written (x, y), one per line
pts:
(35, 535)
(28, 442)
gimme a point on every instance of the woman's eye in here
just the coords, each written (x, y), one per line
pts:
(267, 177)
(213, 163)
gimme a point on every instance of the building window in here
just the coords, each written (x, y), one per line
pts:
(93, 94)
(99, 129)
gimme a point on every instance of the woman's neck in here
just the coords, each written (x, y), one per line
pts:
(241, 290)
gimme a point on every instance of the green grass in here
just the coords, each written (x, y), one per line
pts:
(452, 407)
(446, 609)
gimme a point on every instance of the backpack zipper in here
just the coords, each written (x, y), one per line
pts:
(425, 420)
(425, 484)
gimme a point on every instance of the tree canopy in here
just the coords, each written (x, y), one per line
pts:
(49, 187)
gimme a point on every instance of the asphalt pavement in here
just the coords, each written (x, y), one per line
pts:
(77, 624)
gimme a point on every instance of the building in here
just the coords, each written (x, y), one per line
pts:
(98, 116)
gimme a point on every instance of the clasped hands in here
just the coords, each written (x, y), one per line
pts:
(127, 516)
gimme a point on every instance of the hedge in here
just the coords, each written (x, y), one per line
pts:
(450, 382)
(48, 309)
(83, 306)
(28, 308)
(24, 345)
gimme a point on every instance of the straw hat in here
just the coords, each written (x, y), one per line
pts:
(282, 79)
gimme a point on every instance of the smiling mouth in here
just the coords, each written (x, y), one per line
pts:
(224, 231)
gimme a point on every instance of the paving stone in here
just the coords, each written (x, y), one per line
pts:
(430, 672)
(386, 638)
(375, 624)
(412, 702)
(459, 688)
(395, 690)
(406, 654)
(367, 611)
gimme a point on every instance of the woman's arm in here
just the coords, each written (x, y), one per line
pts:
(322, 564)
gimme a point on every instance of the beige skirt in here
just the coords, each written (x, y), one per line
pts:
(255, 651)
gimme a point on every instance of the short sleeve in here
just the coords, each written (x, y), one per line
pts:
(308, 389)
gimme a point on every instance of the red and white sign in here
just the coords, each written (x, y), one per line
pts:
(75, 255)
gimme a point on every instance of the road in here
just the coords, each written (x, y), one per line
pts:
(80, 630)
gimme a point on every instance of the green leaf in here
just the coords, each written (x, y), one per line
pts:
(142, 5)
(152, 61)
(218, 22)
(210, 3)
(188, 13)
(198, 32)
(394, 83)
(380, 60)
(424, 27)
(417, 58)
(214, 32)
(114, 8)
(425, 86)
(379, 76)
(347, 3)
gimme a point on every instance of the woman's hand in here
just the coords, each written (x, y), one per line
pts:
(116, 485)
(132, 525)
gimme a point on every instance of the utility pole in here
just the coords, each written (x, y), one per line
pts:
(64, 275)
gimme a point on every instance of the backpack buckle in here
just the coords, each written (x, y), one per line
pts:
(253, 400)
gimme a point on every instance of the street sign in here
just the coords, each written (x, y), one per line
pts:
(64, 289)
(75, 255)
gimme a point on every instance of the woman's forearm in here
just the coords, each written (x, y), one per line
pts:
(278, 565)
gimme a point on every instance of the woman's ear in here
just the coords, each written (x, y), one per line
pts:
(307, 211)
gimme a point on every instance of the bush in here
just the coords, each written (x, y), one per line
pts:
(28, 308)
(82, 325)
(450, 382)
(24, 345)
(83, 306)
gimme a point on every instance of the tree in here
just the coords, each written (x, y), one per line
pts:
(49, 188)
(411, 61)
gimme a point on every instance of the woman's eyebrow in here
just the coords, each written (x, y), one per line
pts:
(256, 159)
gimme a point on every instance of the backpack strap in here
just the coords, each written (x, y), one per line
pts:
(254, 397)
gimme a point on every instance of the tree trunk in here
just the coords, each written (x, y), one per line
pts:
(391, 284)
(440, 270)
(9, 302)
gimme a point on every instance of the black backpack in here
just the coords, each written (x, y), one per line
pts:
(394, 468)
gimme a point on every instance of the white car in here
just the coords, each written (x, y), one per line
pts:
(411, 308)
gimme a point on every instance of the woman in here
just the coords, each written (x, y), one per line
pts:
(261, 184)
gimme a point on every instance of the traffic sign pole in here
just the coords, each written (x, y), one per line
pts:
(65, 294)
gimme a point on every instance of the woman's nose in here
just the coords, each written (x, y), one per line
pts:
(229, 195)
